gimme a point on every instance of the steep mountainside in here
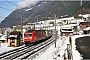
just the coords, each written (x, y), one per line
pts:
(44, 9)
(85, 8)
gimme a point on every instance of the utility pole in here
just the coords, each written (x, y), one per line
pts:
(22, 28)
(55, 27)
(55, 30)
(21, 25)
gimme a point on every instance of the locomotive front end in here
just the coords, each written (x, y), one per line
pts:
(28, 37)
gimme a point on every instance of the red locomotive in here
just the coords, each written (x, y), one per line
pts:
(33, 36)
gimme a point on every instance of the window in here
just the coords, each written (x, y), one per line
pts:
(27, 34)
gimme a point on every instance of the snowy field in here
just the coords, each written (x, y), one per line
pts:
(4, 47)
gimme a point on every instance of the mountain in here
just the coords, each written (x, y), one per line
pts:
(45, 9)
(85, 8)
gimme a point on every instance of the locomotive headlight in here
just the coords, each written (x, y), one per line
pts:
(63, 34)
(71, 34)
(30, 37)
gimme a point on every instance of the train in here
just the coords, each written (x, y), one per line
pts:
(35, 36)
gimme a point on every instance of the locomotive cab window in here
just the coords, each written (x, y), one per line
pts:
(27, 34)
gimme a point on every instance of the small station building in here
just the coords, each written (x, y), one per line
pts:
(14, 39)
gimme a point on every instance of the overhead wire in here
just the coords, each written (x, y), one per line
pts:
(16, 4)
(28, 3)
(7, 8)
(19, 6)
(12, 3)
(17, 12)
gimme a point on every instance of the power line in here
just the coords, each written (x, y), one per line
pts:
(17, 5)
(12, 3)
(28, 3)
(18, 12)
(6, 17)
(9, 9)
(6, 8)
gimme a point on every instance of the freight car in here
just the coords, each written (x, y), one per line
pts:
(34, 36)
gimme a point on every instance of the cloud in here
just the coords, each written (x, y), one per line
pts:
(25, 3)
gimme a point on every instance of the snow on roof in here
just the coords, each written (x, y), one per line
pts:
(13, 36)
(66, 18)
(85, 15)
(3, 37)
(66, 30)
(69, 25)
(1, 34)
(41, 22)
(88, 28)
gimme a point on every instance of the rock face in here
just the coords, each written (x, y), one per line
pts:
(45, 9)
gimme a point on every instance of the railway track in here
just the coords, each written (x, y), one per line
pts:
(25, 51)
(2, 55)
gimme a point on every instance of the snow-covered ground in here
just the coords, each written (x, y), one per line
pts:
(53, 52)
(4, 47)
(58, 52)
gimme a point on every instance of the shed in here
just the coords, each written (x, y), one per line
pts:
(14, 38)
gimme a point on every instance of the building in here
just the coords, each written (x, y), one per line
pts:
(84, 25)
(87, 30)
(66, 32)
(3, 38)
(14, 39)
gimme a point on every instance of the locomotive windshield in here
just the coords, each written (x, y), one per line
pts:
(27, 34)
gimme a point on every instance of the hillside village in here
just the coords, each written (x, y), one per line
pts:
(75, 23)
(65, 27)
